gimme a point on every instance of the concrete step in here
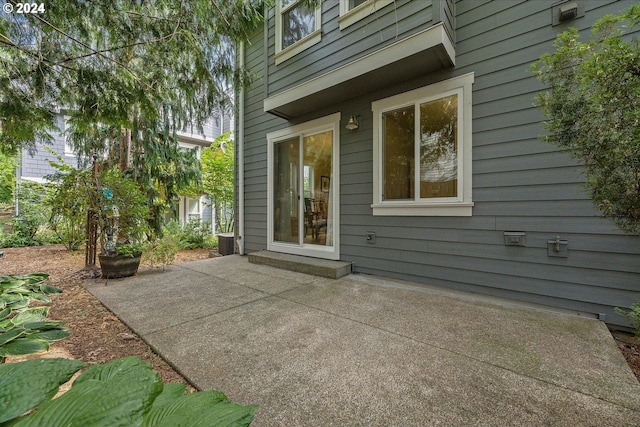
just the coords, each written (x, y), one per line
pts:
(302, 264)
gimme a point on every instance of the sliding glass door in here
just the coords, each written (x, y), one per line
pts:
(302, 193)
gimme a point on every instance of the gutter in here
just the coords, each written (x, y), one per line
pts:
(240, 159)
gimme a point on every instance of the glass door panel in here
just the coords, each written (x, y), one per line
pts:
(286, 165)
(318, 194)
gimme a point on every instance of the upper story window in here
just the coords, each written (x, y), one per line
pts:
(422, 151)
(351, 11)
(297, 28)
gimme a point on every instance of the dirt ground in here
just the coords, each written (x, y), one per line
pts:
(99, 336)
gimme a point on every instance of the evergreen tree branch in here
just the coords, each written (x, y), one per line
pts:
(86, 46)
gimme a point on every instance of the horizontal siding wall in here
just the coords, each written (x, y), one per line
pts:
(519, 182)
(35, 165)
(256, 125)
(338, 47)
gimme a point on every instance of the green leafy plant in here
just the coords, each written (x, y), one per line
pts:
(120, 194)
(592, 108)
(17, 291)
(126, 391)
(192, 235)
(7, 177)
(632, 315)
(30, 219)
(25, 330)
(162, 252)
(68, 201)
(130, 249)
(123, 392)
(196, 234)
(218, 180)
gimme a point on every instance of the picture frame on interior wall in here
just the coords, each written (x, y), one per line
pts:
(324, 184)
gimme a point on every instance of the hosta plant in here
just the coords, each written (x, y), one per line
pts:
(124, 392)
(16, 292)
(25, 330)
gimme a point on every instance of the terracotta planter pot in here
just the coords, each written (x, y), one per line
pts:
(116, 266)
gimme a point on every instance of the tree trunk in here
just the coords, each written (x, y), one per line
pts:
(91, 245)
(125, 149)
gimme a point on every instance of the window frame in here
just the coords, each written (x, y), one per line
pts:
(462, 204)
(351, 15)
(68, 148)
(282, 54)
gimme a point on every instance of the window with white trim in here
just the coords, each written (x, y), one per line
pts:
(297, 28)
(352, 11)
(422, 151)
(193, 209)
(64, 132)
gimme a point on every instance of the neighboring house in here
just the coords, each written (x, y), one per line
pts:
(35, 166)
(402, 136)
(190, 208)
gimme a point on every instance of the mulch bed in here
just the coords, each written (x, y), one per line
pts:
(97, 335)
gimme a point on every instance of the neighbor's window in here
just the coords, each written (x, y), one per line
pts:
(297, 28)
(423, 151)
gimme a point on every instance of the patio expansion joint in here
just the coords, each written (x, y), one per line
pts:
(281, 295)
(457, 353)
(204, 316)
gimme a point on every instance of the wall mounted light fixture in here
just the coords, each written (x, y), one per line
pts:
(352, 124)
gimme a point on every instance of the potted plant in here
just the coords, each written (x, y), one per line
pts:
(123, 225)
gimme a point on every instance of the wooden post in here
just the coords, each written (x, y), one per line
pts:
(91, 246)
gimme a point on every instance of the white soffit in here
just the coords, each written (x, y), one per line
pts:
(425, 51)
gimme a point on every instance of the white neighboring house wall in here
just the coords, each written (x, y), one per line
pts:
(190, 208)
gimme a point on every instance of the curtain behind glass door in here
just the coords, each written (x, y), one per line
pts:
(318, 202)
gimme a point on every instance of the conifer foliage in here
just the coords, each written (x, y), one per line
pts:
(129, 75)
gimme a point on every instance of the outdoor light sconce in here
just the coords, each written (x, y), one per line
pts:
(352, 124)
(568, 11)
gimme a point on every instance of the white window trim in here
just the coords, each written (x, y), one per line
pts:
(302, 44)
(463, 204)
(349, 17)
(322, 124)
(68, 149)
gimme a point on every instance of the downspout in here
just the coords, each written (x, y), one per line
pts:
(240, 148)
(16, 198)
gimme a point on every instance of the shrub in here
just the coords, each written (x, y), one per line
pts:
(193, 235)
(592, 109)
(30, 219)
(632, 315)
(196, 234)
(163, 251)
(69, 204)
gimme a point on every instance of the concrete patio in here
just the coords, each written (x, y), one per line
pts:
(366, 351)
